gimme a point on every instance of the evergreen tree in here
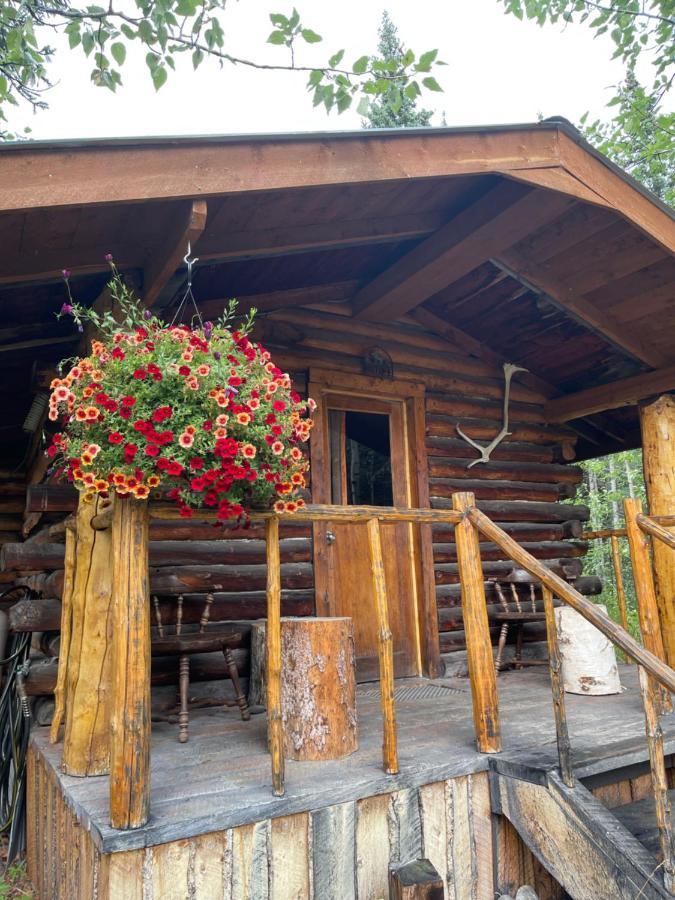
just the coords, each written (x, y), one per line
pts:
(397, 108)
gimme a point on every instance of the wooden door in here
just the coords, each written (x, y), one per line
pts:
(362, 450)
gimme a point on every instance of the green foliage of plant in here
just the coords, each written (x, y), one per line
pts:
(198, 29)
(14, 884)
(397, 106)
(641, 135)
(640, 139)
(607, 481)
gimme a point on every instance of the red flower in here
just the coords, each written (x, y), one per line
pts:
(184, 370)
(208, 425)
(130, 450)
(198, 484)
(197, 463)
(234, 381)
(140, 374)
(270, 419)
(125, 412)
(118, 353)
(128, 401)
(52, 451)
(115, 437)
(152, 450)
(279, 405)
(174, 468)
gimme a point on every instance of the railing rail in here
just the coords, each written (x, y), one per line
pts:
(655, 677)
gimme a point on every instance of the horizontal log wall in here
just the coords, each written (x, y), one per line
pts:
(522, 488)
(331, 853)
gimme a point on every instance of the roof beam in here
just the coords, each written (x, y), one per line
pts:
(625, 392)
(498, 219)
(335, 292)
(163, 263)
(540, 279)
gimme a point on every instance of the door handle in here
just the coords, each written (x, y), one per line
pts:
(330, 537)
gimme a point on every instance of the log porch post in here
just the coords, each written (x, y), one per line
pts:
(482, 671)
(130, 708)
(657, 421)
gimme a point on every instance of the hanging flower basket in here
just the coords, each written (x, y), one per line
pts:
(199, 413)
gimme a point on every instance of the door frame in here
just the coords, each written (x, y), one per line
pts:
(410, 396)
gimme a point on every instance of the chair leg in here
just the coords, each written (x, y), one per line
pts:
(184, 685)
(500, 646)
(518, 658)
(234, 675)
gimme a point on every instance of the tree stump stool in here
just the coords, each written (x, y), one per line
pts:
(318, 685)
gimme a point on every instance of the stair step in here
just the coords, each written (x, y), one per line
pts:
(640, 819)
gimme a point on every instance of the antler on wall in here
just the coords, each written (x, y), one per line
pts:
(486, 450)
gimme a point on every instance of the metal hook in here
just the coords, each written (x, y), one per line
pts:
(189, 263)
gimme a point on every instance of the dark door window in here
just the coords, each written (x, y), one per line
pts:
(360, 448)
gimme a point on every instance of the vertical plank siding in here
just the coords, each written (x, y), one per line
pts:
(342, 852)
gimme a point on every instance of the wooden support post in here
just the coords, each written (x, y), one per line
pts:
(558, 690)
(130, 719)
(478, 644)
(385, 649)
(274, 715)
(618, 580)
(66, 626)
(657, 421)
(647, 608)
(87, 657)
(659, 779)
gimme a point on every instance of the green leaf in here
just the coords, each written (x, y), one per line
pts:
(278, 20)
(294, 20)
(197, 58)
(128, 31)
(361, 65)
(431, 84)
(88, 42)
(315, 77)
(364, 106)
(427, 60)
(145, 31)
(74, 37)
(118, 52)
(277, 37)
(159, 76)
(310, 36)
(336, 59)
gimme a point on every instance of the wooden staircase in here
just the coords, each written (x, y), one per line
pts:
(595, 853)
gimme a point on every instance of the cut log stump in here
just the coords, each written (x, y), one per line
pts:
(318, 685)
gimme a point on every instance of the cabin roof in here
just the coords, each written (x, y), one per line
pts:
(521, 243)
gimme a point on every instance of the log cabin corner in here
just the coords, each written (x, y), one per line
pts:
(474, 311)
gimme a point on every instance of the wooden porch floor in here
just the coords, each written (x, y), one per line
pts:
(221, 777)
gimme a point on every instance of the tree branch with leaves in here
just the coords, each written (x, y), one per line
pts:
(169, 29)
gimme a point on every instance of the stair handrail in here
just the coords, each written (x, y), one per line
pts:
(653, 699)
(569, 595)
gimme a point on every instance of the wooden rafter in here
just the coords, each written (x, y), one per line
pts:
(542, 280)
(498, 219)
(163, 263)
(335, 292)
(625, 392)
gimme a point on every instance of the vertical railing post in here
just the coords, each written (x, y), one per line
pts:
(273, 632)
(66, 629)
(618, 579)
(130, 708)
(659, 779)
(385, 648)
(558, 690)
(645, 591)
(482, 672)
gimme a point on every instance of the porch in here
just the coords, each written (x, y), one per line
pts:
(332, 812)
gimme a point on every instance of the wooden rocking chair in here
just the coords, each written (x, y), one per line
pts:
(184, 644)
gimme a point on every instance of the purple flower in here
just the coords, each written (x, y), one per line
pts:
(66, 309)
(80, 329)
(232, 392)
(147, 314)
(65, 273)
(108, 257)
(208, 328)
(216, 355)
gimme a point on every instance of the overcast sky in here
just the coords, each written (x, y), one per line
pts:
(499, 70)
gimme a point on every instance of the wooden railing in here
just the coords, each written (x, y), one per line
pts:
(656, 678)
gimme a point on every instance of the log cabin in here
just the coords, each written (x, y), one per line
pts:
(474, 311)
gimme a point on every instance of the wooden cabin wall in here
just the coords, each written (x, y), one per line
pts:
(187, 556)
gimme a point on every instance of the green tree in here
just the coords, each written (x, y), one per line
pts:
(641, 139)
(167, 29)
(641, 136)
(397, 106)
